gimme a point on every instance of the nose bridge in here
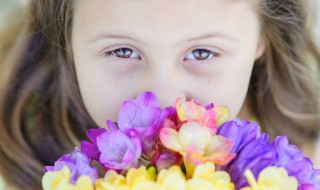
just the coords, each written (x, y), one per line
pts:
(164, 78)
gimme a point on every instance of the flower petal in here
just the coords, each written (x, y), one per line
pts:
(148, 99)
(170, 139)
(117, 150)
(90, 150)
(94, 133)
(189, 111)
(222, 114)
(195, 135)
(219, 147)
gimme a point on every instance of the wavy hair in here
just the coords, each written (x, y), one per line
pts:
(42, 114)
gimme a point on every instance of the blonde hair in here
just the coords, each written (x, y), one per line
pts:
(42, 115)
(285, 85)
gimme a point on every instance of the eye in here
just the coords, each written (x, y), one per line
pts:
(201, 54)
(123, 53)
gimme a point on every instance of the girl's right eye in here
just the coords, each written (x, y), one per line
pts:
(123, 53)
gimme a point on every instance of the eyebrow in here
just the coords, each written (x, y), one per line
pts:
(107, 35)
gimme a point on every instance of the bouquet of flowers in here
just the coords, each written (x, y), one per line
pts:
(185, 147)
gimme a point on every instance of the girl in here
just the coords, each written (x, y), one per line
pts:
(74, 62)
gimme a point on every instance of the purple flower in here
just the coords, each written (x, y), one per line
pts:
(241, 132)
(255, 155)
(306, 187)
(292, 159)
(144, 116)
(119, 151)
(78, 163)
(91, 149)
(113, 149)
(254, 152)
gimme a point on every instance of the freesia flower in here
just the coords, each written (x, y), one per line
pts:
(144, 116)
(205, 177)
(163, 157)
(60, 180)
(185, 147)
(255, 156)
(91, 149)
(292, 159)
(271, 178)
(256, 153)
(307, 186)
(134, 178)
(113, 149)
(193, 111)
(197, 150)
(241, 132)
(166, 160)
(118, 151)
(112, 180)
(78, 164)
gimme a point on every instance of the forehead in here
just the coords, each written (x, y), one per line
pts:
(159, 18)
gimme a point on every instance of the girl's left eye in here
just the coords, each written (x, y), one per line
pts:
(201, 54)
(123, 53)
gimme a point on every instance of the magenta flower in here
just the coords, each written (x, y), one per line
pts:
(91, 149)
(144, 116)
(78, 163)
(113, 149)
(119, 151)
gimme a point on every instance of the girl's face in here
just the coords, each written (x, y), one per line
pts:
(202, 49)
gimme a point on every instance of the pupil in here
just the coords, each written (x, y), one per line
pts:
(123, 52)
(201, 54)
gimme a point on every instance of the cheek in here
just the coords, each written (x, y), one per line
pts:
(104, 99)
(102, 92)
(227, 87)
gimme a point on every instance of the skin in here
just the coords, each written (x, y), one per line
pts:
(163, 35)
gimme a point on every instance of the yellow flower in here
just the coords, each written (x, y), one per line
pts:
(271, 178)
(60, 180)
(205, 177)
(135, 178)
(172, 179)
(147, 185)
(111, 181)
(139, 175)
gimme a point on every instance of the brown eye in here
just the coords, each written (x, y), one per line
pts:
(201, 54)
(123, 53)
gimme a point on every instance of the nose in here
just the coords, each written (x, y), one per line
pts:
(166, 83)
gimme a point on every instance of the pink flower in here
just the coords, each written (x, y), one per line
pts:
(210, 116)
(197, 145)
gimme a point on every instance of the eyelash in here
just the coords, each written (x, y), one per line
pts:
(211, 54)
